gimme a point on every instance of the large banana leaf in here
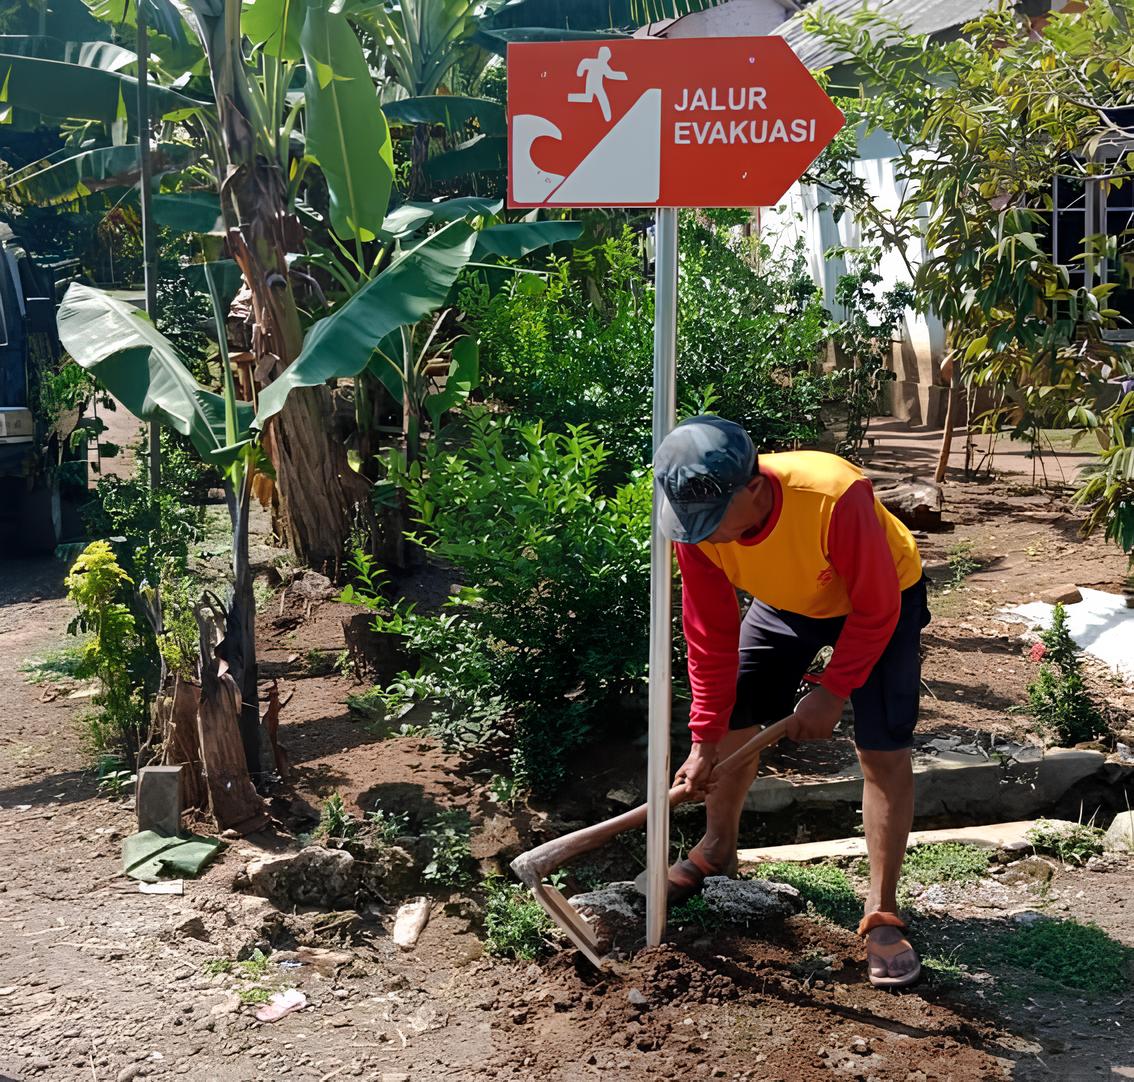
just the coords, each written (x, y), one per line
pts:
(62, 91)
(88, 54)
(408, 290)
(518, 239)
(410, 217)
(65, 177)
(347, 132)
(497, 41)
(187, 212)
(464, 375)
(450, 110)
(161, 15)
(141, 368)
(275, 25)
(481, 154)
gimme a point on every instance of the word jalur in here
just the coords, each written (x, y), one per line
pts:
(749, 130)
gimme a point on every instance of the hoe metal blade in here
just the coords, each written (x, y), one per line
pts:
(576, 928)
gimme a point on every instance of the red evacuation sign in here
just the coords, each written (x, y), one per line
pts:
(640, 122)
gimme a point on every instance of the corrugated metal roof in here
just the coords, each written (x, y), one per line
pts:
(917, 16)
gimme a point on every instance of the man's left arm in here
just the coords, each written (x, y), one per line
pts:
(860, 554)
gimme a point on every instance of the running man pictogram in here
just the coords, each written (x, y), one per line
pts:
(595, 70)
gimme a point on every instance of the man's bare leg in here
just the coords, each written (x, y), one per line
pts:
(887, 815)
(725, 803)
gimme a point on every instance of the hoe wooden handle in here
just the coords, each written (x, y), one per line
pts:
(532, 866)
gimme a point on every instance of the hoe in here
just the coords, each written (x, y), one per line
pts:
(532, 867)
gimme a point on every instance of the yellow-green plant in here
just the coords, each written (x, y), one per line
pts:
(114, 654)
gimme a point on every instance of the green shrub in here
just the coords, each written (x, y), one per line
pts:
(1058, 698)
(336, 824)
(116, 652)
(945, 862)
(554, 623)
(1072, 843)
(696, 912)
(1074, 955)
(452, 862)
(825, 888)
(565, 351)
(514, 923)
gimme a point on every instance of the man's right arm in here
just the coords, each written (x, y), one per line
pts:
(711, 619)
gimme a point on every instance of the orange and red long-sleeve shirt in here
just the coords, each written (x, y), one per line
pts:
(829, 548)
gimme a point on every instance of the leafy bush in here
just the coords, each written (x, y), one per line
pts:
(451, 864)
(751, 331)
(115, 653)
(1058, 697)
(945, 862)
(336, 824)
(1069, 953)
(696, 912)
(554, 623)
(1072, 843)
(825, 888)
(515, 924)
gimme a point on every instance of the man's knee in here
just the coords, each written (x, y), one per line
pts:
(882, 766)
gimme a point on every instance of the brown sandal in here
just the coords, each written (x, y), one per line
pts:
(688, 876)
(886, 953)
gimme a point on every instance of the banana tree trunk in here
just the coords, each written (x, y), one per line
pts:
(317, 489)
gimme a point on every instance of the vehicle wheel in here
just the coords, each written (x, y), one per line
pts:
(41, 519)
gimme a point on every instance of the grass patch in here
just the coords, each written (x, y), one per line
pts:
(945, 971)
(1067, 953)
(945, 862)
(961, 562)
(54, 666)
(254, 996)
(1072, 843)
(515, 925)
(825, 888)
(695, 912)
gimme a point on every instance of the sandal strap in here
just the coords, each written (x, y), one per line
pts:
(878, 919)
(889, 951)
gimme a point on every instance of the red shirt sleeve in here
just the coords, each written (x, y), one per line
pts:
(860, 554)
(711, 618)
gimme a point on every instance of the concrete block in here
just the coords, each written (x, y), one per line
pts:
(158, 799)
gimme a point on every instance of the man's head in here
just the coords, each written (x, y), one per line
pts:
(712, 491)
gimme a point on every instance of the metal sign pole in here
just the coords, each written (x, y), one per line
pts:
(661, 581)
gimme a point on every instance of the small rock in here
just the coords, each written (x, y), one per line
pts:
(533, 972)
(520, 1016)
(1029, 871)
(39, 1063)
(395, 1076)
(860, 1046)
(192, 928)
(229, 1005)
(625, 797)
(1065, 594)
(134, 1070)
(638, 1000)
(616, 912)
(1027, 917)
(1120, 836)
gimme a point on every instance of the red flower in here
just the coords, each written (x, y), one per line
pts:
(1037, 652)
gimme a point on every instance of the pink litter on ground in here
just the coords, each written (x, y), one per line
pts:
(280, 1004)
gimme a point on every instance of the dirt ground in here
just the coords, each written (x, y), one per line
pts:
(101, 982)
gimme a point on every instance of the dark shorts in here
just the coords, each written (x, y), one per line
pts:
(778, 647)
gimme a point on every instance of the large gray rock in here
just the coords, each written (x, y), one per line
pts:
(741, 901)
(331, 878)
(616, 913)
(1120, 836)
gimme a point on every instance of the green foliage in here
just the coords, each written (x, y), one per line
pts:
(1058, 698)
(254, 996)
(1072, 843)
(825, 888)
(505, 791)
(1070, 954)
(945, 862)
(945, 970)
(452, 863)
(865, 336)
(695, 912)
(961, 563)
(554, 622)
(515, 925)
(387, 826)
(336, 824)
(575, 346)
(115, 653)
(979, 161)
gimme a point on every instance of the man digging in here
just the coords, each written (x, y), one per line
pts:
(826, 565)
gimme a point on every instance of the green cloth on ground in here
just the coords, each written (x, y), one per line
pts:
(148, 855)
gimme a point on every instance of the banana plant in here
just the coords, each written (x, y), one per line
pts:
(123, 350)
